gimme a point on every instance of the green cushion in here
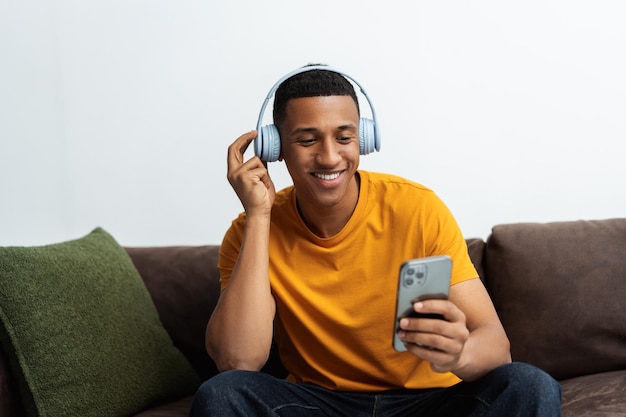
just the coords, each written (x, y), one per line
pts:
(82, 334)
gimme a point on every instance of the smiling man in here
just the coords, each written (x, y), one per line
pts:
(315, 266)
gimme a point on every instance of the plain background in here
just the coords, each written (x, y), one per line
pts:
(118, 113)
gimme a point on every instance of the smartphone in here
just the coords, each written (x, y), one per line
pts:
(420, 279)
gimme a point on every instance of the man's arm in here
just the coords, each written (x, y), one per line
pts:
(488, 346)
(239, 332)
(471, 341)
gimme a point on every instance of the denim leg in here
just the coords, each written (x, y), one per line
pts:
(248, 394)
(512, 390)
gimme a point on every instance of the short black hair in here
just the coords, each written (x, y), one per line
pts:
(313, 83)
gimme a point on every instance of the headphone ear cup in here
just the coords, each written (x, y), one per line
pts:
(267, 146)
(368, 141)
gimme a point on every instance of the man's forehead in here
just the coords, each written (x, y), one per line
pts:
(340, 102)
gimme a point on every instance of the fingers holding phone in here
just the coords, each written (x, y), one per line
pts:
(437, 326)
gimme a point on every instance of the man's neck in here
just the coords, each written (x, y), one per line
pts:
(328, 221)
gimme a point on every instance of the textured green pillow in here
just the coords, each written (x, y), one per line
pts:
(82, 334)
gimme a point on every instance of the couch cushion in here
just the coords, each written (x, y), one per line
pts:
(559, 289)
(596, 395)
(179, 408)
(81, 333)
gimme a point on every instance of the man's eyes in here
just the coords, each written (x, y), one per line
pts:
(307, 141)
(311, 141)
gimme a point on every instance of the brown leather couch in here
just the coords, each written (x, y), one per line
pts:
(559, 288)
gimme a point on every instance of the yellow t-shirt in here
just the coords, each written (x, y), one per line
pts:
(336, 296)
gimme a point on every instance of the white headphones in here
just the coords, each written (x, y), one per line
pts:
(267, 143)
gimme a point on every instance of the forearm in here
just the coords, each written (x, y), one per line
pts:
(239, 332)
(486, 348)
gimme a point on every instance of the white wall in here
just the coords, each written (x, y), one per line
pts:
(118, 113)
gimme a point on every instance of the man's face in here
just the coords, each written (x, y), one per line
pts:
(320, 146)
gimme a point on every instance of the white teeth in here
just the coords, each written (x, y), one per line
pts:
(328, 177)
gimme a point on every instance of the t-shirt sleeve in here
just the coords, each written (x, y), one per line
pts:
(447, 239)
(229, 249)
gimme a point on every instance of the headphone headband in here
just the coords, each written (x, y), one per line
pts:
(267, 148)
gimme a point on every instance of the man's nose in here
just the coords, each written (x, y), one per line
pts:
(329, 152)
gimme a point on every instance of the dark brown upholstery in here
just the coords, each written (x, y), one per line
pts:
(178, 408)
(10, 405)
(595, 395)
(184, 284)
(476, 248)
(560, 291)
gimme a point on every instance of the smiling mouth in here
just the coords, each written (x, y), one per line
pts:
(328, 177)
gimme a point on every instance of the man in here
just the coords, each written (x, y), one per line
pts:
(315, 267)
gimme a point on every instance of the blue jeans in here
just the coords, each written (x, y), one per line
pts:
(515, 389)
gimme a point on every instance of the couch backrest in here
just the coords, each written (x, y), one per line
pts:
(560, 291)
(476, 250)
(559, 288)
(184, 284)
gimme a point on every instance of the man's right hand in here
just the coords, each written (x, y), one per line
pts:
(250, 179)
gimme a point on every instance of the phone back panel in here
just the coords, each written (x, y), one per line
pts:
(420, 279)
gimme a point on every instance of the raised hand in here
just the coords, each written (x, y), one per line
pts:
(250, 179)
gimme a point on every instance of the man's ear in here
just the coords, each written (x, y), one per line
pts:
(280, 152)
